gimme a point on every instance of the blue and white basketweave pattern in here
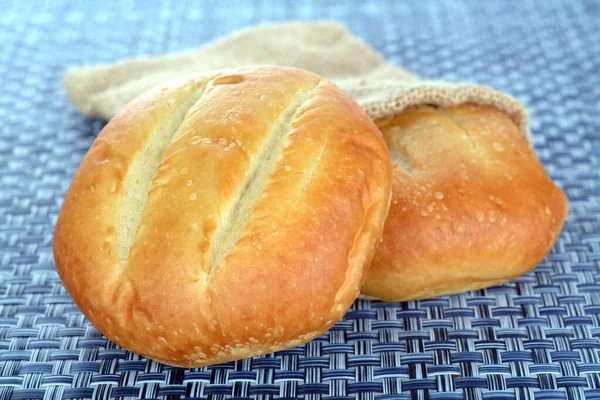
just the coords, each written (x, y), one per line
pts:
(534, 338)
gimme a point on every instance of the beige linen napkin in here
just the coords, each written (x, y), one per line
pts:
(325, 48)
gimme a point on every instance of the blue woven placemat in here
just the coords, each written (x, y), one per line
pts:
(534, 338)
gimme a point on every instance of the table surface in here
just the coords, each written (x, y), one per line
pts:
(536, 337)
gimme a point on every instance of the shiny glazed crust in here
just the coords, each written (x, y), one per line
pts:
(471, 204)
(225, 216)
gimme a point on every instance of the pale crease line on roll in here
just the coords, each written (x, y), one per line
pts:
(245, 200)
(468, 135)
(403, 161)
(142, 171)
(312, 169)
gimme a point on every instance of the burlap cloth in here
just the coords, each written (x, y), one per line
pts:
(325, 48)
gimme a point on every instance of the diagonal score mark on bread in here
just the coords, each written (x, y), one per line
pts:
(143, 169)
(401, 159)
(467, 133)
(240, 209)
(314, 166)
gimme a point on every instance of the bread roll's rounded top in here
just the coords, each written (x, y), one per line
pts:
(471, 207)
(224, 216)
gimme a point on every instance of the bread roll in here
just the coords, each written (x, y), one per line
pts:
(225, 216)
(471, 206)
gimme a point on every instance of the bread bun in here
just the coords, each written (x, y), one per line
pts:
(471, 206)
(225, 216)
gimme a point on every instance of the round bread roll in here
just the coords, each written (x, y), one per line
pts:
(225, 216)
(471, 204)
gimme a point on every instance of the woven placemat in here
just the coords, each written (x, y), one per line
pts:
(534, 338)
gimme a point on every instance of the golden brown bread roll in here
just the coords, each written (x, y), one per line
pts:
(227, 216)
(471, 204)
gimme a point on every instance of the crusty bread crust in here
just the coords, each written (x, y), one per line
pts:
(225, 216)
(471, 205)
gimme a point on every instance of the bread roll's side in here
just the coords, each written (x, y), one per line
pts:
(471, 206)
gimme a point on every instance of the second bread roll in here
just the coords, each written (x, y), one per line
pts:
(471, 206)
(225, 216)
